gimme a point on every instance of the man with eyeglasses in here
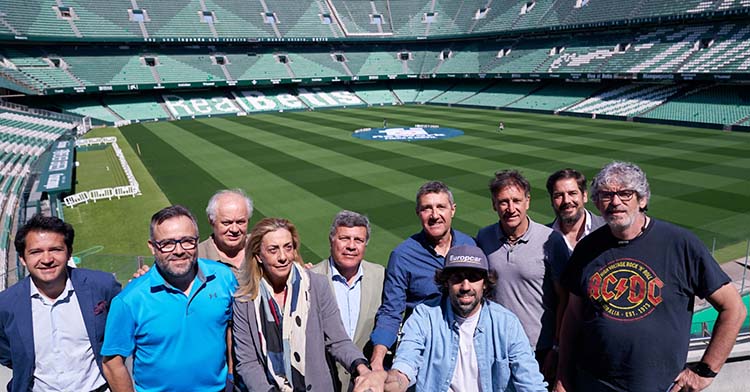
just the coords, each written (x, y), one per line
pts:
(173, 320)
(633, 283)
(461, 341)
(529, 258)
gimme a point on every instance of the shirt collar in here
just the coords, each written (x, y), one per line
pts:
(524, 238)
(35, 293)
(422, 239)
(336, 275)
(158, 282)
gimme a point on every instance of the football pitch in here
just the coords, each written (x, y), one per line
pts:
(306, 166)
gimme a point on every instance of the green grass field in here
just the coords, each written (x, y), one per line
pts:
(306, 166)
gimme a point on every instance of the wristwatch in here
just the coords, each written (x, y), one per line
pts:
(702, 369)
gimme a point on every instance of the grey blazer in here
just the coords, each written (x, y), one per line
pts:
(325, 334)
(372, 290)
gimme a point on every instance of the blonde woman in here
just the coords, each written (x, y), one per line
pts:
(286, 318)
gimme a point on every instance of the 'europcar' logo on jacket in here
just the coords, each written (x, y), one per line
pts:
(626, 289)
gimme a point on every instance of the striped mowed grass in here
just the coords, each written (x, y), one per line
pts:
(306, 166)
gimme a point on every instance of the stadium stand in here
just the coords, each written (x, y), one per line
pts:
(90, 107)
(720, 104)
(501, 94)
(136, 108)
(406, 92)
(555, 96)
(23, 139)
(459, 92)
(363, 18)
(628, 100)
(375, 94)
(77, 20)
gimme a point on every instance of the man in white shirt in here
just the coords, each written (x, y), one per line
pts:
(52, 322)
(462, 341)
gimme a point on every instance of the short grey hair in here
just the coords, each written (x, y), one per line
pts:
(214, 201)
(433, 187)
(624, 174)
(346, 218)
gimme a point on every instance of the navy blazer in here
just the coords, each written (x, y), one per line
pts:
(94, 291)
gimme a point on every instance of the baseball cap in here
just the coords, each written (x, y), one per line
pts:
(466, 256)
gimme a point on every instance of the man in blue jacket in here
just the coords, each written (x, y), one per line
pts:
(463, 342)
(409, 276)
(52, 322)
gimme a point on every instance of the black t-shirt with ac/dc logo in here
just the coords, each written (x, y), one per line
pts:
(638, 303)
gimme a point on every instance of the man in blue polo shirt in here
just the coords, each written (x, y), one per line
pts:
(409, 276)
(174, 319)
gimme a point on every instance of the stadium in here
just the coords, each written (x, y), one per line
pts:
(110, 110)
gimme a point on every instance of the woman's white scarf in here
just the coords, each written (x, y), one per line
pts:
(295, 313)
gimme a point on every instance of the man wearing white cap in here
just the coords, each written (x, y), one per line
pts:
(462, 341)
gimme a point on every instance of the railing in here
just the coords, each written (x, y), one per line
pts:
(41, 112)
(132, 189)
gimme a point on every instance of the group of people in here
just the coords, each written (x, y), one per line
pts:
(586, 303)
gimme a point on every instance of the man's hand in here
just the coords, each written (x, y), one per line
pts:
(559, 387)
(396, 381)
(140, 271)
(378, 355)
(688, 381)
(369, 380)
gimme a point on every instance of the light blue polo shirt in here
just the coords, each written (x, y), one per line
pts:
(178, 342)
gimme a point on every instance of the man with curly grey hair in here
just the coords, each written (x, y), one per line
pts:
(633, 283)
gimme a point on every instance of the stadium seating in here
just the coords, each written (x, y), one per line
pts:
(104, 18)
(556, 96)
(135, 108)
(23, 138)
(356, 17)
(196, 19)
(628, 100)
(406, 92)
(501, 94)
(719, 104)
(376, 61)
(375, 94)
(460, 91)
(314, 65)
(88, 107)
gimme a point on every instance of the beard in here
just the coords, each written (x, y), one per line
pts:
(166, 267)
(572, 218)
(465, 309)
(619, 223)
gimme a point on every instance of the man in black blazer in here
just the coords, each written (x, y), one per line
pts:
(567, 192)
(52, 322)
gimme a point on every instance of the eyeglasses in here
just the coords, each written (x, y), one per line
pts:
(471, 276)
(624, 195)
(166, 246)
